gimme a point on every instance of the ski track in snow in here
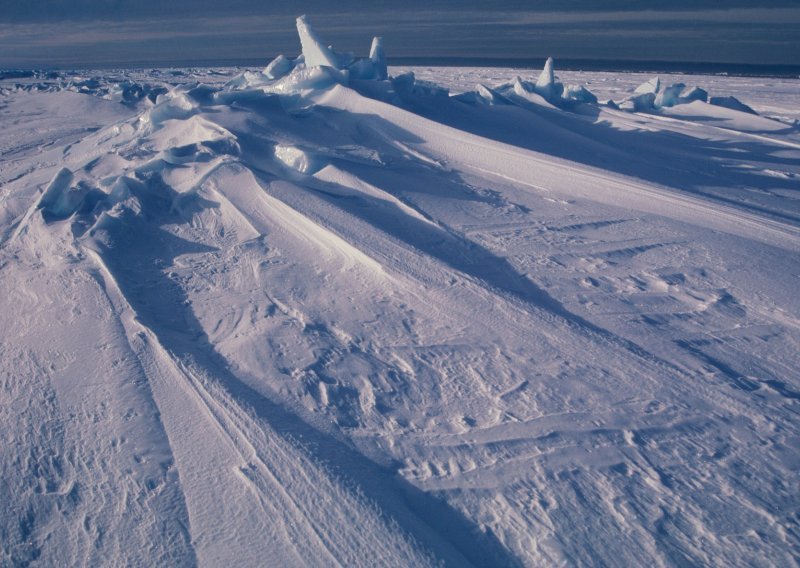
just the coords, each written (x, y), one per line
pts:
(321, 329)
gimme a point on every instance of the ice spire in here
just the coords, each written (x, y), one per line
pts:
(378, 57)
(545, 85)
(314, 51)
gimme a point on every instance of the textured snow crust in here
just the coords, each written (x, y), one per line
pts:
(329, 313)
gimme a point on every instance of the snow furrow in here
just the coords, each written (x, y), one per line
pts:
(311, 534)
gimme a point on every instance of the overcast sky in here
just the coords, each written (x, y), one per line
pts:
(102, 33)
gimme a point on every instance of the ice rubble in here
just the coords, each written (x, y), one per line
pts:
(654, 95)
(177, 114)
(320, 66)
(549, 88)
(341, 67)
(547, 91)
(279, 67)
(63, 197)
(118, 89)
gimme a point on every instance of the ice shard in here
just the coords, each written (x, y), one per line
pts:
(546, 84)
(378, 58)
(314, 50)
(651, 86)
(279, 67)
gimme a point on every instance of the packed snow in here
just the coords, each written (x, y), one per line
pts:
(333, 313)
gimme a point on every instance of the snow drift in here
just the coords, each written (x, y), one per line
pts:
(322, 315)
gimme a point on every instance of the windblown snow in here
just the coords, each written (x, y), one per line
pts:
(330, 314)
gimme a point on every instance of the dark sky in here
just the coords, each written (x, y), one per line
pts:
(107, 33)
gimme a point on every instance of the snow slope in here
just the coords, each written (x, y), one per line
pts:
(315, 328)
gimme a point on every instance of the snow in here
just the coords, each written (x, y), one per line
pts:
(329, 315)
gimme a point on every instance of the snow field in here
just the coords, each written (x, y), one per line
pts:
(317, 316)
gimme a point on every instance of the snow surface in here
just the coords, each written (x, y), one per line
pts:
(297, 318)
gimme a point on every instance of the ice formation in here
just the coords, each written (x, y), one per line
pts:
(653, 95)
(546, 83)
(547, 91)
(651, 86)
(580, 94)
(278, 67)
(639, 102)
(694, 94)
(320, 66)
(296, 159)
(490, 96)
(57, 199)
(314, 51)
(669, 96)
(378, 58)
(306, 78)
(121, 90)
(732, 103)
